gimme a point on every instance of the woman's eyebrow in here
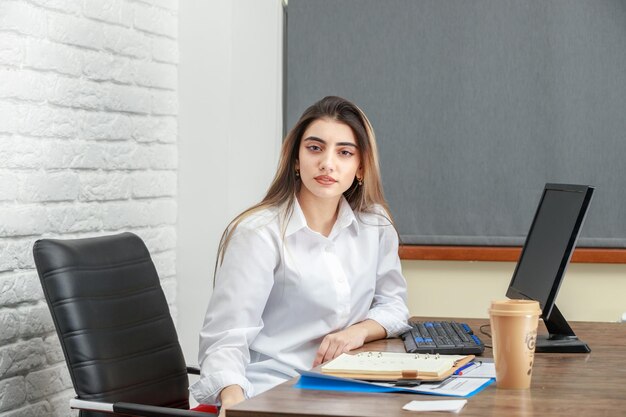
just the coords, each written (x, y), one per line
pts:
(322, 141)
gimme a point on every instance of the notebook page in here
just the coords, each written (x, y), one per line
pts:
(392, 362)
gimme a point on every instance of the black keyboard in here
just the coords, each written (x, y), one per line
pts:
(444, 337)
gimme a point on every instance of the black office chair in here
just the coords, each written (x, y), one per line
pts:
(114, 326)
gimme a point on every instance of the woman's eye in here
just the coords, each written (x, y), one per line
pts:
(314, 148)
(346, 153)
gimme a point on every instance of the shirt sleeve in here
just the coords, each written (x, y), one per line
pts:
(389, 307)
(234, 316)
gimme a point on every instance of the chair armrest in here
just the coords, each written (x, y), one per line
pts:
(139, 410)
(193, 370)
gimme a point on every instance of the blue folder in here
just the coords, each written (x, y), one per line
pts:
(319, 381)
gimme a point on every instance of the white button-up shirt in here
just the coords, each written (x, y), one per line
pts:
(280, 290)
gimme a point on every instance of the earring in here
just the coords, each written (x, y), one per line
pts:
(360, 180)
(297, 173)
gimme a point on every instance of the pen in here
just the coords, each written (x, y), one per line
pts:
(464, 368)
(408, 383)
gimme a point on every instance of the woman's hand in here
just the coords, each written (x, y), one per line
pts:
(230, 395)
(353, 337)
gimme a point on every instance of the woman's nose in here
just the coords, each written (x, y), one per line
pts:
(327, 163)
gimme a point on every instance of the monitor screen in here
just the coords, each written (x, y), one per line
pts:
(548, 249)
(548, 245)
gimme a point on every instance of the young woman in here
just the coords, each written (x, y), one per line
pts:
(312, 270)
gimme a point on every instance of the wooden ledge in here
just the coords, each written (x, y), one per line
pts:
(503, 254)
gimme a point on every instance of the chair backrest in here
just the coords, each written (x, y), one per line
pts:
(112, 320)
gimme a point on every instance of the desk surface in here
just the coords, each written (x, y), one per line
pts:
(562, 385)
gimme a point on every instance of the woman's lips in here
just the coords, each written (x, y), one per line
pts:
(325, 180)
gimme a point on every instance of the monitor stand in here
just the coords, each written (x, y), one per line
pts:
(561, 337)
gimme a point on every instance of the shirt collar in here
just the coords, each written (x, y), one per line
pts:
(296, 219)
(345, 218)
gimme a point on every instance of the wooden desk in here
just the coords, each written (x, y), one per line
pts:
(572, 384)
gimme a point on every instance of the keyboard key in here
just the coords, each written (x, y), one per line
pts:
(444, 337)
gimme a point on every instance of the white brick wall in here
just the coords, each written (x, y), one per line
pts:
(88, 146)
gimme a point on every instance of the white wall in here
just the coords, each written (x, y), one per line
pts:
(230, 132)
(589, 292)
(88, 129)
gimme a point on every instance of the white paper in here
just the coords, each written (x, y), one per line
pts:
(441, 405)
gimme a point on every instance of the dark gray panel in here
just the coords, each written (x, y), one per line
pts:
(476, 105)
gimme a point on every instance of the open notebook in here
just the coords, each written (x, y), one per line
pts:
(383, 366)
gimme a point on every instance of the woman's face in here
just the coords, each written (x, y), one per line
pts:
(328, 159)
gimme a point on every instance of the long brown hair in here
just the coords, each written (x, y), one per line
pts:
(285, 185)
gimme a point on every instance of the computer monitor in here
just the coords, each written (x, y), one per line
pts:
(544, 259)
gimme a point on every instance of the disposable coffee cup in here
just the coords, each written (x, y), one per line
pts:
(513, 335)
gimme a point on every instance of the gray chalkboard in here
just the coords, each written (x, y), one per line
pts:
(476, 105)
